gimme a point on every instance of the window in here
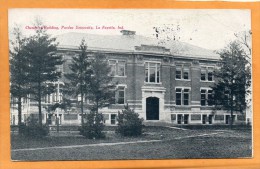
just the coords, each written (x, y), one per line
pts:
(204, 119)
(210, 98)
(57, 96)
(178, 96)
(112, 64)
(207, 119)
(207, 74)
(121, 68)
(179, 118)
(186, 97)
(206, 97)
(186, 119)
(186, 72)
(203, 97)
(183, 119)
(117, 68)
(120, 95)
(203, 73)
(182, 96)
(54, 97)
(178, 72)
(48, 98)
(228, 119)
(173, 117)
(152, 72)
(210, 74)
(210, 119)
(182, 72)
(113, 119)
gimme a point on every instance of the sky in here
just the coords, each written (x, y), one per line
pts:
(206, 28)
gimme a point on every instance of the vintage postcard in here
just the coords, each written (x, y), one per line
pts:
(129, 85)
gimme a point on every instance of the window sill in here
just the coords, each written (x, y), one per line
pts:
(207, 81)
(153, 83)
(120, 76)
(187, 80)
(183, 105)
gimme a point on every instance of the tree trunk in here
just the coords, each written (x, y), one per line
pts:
(19, 114)
(231, 119)
(232, 100)
(231, 110)
(97, 106)
(81, 107)
(40, 104)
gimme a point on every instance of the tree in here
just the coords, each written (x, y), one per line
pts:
(43, 61)
(18, 71)
(129, 123)
(93, 127)
(79, 76)
(245, 39)
(233, 80)
(101, 92)
(101, 89)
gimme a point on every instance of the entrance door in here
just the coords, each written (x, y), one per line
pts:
(152, 108)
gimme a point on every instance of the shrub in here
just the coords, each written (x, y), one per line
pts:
(129, 123)
(33, 129)
(93, 126)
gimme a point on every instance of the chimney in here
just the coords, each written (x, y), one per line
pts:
(127, 32)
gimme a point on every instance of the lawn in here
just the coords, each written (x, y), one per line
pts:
(158, 143)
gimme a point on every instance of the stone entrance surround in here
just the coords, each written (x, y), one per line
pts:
(158, 92)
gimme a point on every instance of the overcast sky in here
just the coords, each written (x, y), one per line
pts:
(210, 29)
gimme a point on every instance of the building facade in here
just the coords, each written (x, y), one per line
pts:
(163, 81)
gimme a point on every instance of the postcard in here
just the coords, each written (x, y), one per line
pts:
(103, 87)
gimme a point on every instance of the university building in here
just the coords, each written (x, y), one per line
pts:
(163, 81)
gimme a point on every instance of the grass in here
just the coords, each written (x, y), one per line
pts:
(216, 127)
(225, 144)
(65, 138)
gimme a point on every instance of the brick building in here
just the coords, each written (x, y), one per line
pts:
(164, 81)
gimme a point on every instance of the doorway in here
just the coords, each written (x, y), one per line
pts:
(152, 108)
